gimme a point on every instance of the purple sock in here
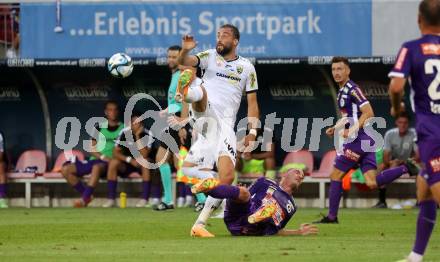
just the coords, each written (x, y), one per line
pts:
(425, 224)
(188, 191)
(111, 187)
(79, 187)
(387, 176)
(335, 194)
(2, 190)
(156, 191)
(181, 189)
(145, 190)
(87, 193)
(225, 191)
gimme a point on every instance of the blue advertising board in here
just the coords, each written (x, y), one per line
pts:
(145, 29)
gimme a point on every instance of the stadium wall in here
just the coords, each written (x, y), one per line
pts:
(286, 91)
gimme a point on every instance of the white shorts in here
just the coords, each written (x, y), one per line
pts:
(215, 139)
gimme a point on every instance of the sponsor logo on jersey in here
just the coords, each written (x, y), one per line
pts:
(435, 164)
(430, 49)
(230, 77)
(351, 155)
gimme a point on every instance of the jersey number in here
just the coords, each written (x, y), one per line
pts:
(433, 91)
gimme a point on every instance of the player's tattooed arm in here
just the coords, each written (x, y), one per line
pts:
(396, 92)
(304, 230)
(188, 44)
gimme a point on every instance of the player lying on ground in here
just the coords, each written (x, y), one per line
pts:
(353, 105)
(264, 208)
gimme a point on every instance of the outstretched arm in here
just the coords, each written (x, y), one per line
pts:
(304, 230)
(188, 44)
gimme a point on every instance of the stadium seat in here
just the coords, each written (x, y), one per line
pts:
(302, 156)
(30, 158)
(61, 159)
(326, 165)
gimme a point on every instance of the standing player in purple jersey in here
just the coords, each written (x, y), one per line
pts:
(419, 61)
(264, 208)
(355, 107)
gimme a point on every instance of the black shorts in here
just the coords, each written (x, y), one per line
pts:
(164, 140)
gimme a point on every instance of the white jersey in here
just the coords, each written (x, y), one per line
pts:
(225, 82)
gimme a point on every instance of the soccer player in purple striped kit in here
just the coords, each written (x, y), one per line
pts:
(263, 209)
(419, 61)
(355, 107)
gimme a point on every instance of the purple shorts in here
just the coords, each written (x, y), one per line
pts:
(85, 167)
(430, 155)
(236, 219)
(353, 156)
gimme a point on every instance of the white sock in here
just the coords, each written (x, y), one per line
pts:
(195, 91)
(197, 173)
(210, 204)
(414, 257)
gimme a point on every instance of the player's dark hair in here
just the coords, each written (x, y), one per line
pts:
(429, 10)
(111, 102)
(175, 48)
(338, 59)
(136, 114)
(234, 29)
(404, 115)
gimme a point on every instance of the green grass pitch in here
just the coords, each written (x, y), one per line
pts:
(94, 234)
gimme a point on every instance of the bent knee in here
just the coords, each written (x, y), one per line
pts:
(68, 169)
(227, 178)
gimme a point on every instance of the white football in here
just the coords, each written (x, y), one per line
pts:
(120, 65)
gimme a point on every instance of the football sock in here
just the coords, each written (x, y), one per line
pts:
(87, 193)
(387, 176)
(111, 187)
(210, 204)
(79, 187)
(145, 190)
(201, 198)
(425, 224)
(225, 191)
(382, 195)
(181, 190)
(2, 190)
(165, 174)
(335, 195)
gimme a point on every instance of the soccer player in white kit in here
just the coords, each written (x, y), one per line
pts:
(217, 96)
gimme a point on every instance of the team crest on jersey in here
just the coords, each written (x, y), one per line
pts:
(239, 69)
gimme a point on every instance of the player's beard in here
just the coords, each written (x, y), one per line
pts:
(223, 51)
